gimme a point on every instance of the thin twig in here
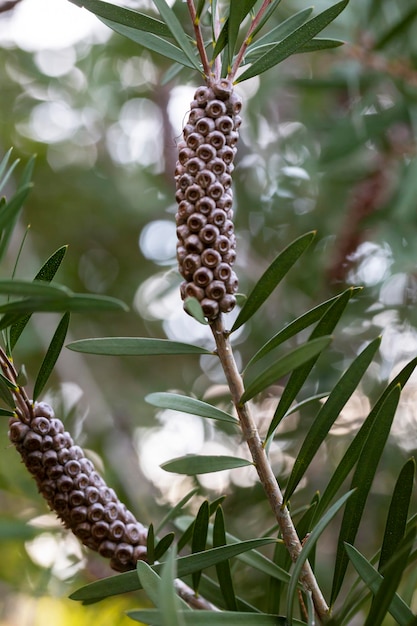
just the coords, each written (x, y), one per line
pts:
(263, 467)
(256, 20)
(199, 39)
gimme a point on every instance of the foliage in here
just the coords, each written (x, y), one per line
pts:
(321, 369)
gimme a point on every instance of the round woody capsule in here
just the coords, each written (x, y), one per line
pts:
(203, 95)
(193, 291)
(205, 178)
(194, 140)
(227, 303)
(196, 222)
(211, 258)
(196, 114)
(194, 165)
(202, 277)
(205, 125)
(41, 425)
(210, 308)
(216, 290)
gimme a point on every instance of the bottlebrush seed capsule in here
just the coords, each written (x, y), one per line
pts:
(75, 491)
(206, 247)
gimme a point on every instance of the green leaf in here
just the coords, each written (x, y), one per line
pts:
(224, 575)
(398, 29)
(362, 481)
(294, 327)
(134, 346)
(289, 362)
(163, 545)
(277, 34)
(193, 464)
(307, 548)
(168, 601)
(34, 288)
(398, 608)
(206, 618)
(271, 278)
(51, 356)
(177, 30)
(46, 274)
(393, 572)
(293, 42)
(174, 512)
(188, 532)
(193, 308)
(199, 538)
(10, 210)
(352, 453)
(185, 404)
(149, 580)
(396, 524)
(6, 413)
(328, 414)
(150, 545)
(127, 17)
(237, 13)
(4, 176)
(318, 43)
(123, 583)
(76, 303)
(297, 379)
(152, 42)
(5, 393)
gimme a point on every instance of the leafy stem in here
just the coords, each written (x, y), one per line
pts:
(199, 38)
(263, 467)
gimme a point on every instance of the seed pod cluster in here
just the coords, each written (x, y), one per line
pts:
(75, 491)
(205, 229)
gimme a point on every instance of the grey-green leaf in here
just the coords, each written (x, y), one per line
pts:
(223, 571)
(271, 278)
(289, 362)
(293, 42)
(217, 618)
(237, 13)
(199, 538)
(36, 288)
(186, 565)
(396, 523)
(362, 481)
(51, 356)
(398, 608)
(185, 404)
(193, 464)
(46, 274)
(134, 346)
(353, 452)
(307, 548)
(127, 17)
(193, 308)
(177, 30)
(328, 414)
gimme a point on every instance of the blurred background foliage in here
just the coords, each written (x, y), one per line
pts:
(328, 143)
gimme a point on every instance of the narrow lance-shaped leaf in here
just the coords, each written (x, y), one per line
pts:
(271, 278)
(185, 404)
(127, 17)
(292, 328)
(16, 287)
(318, 43)
(134, 346)
(398, 608)
(213, 618)
(168, 600)
(150, 545)
(199, 538)
(163, 545)
(174, 512)
(393, 572)
(362, 481)
(188, 531)
(177, 31)
(398, 512)
(4, 176)
(238, 12)
(51, 356)
(186, 565)
(289, 362)
(273, 36)
(10, 210)
(293, 42)
(352, 453)
(398, 29)
(74, 302)
(328, 414)
(5, 393)
(224, 575)
(193, 308)
(307, 549)
(151, 42)
(45, 274)
(193, 464)
(325, 326)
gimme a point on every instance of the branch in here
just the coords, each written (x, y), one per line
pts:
(263, 467)
(199, 39)
(239, 57)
